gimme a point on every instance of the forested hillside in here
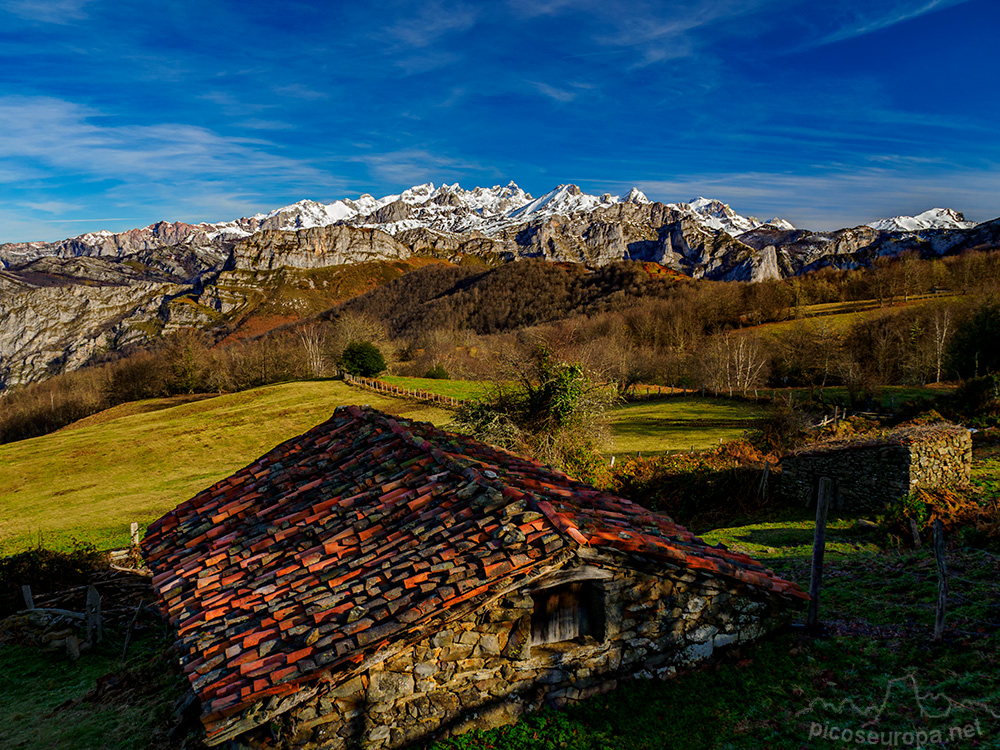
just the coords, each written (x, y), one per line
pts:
(905, 321)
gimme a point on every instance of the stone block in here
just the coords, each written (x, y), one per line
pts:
(490, 644)
(442, 639)
(354, 686)
(695, 605)
(389, 686)
(703, 633)
(379, 734)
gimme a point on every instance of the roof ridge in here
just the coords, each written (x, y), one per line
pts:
(536, 503)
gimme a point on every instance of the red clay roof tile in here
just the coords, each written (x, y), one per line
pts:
(395, 520)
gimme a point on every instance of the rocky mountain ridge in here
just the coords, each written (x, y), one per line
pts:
(62, 302)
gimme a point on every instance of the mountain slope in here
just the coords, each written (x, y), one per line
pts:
(63, 302)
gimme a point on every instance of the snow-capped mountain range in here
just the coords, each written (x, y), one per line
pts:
(451, 209)
(935, 218)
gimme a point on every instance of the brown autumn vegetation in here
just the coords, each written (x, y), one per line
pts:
(625, 322)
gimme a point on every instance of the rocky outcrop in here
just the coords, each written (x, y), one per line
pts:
(704, 239)
(316, 248)
(48, 329)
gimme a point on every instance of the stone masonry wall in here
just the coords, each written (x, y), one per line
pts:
(482, 672)
(868, 475)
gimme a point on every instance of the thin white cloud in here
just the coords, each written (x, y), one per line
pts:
(431, 21)
(298, 91)
(42, 133)
(53, 207)
(48, 11)
(415, 165)
(255, 123)
(169, 171)
(551, 92)
(870, 23)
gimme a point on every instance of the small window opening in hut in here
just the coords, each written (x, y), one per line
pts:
(567, 612)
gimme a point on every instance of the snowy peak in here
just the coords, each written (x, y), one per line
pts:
(635, 195)
(719, 216)
(935, 218)
(444, 208)
(565, 199)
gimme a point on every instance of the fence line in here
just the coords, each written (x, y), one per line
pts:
(380, 386)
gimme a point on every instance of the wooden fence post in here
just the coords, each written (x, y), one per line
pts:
(95, 630)
(819, 546)
(29, 600)
(942, 571)
(763, 479)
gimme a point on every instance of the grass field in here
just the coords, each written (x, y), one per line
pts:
(460, 389)
(888, 397)
(135, 462)
(837, 317)
(679, 423)
(877, 602)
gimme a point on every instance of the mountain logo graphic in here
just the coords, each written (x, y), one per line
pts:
(900, 691)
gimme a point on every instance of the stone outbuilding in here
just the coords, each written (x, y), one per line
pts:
(375, 582)
(869, 472)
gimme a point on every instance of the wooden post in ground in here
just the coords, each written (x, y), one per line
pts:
(763, 479)
(95, 630)
(819, 546)
(29, 600)
(133, 531)
(942, 571)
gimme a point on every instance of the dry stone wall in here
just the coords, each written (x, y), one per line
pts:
(870, 473)
(483, 672)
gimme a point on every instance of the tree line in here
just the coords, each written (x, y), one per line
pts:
(625, 322)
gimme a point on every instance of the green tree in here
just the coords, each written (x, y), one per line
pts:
(549, 410)
(362, 358)
(975, 347)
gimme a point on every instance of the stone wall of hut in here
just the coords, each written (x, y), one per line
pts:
(483, 672)
(866, 475)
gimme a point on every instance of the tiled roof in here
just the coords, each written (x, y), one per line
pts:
(365, 531)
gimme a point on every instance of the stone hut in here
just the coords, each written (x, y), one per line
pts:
(375, 582)
(869, 472)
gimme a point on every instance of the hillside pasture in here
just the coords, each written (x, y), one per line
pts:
(679, 423)
(134, 462)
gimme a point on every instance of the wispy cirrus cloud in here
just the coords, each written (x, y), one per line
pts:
(428, 22)
(417, 165)
(54, 148)
(554, 93)
(53, 207)
(870, 19)
(49, 11)
(42, 132)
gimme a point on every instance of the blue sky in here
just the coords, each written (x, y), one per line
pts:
(115, 114)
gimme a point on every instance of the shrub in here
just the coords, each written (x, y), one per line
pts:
(552, 412)
(959, 512)
(362, 358)
(699, 488)
(46, 570)
(437, 372)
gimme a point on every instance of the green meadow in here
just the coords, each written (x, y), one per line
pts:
(89, 481)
